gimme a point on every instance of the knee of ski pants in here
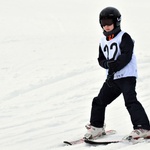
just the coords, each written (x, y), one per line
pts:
(99, 102)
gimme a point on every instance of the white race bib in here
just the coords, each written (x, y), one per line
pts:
(111, 50)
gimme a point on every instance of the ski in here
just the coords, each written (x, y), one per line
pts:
(100, 142)
(82, 140)
(79, 141)
(127, 140)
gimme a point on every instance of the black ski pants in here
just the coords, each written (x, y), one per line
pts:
(125, 86)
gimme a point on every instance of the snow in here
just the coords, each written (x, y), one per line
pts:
(49, 73)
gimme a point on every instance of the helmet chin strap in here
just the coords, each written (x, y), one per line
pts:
(114, 31)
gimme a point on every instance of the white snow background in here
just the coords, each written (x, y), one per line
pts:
(49, 72)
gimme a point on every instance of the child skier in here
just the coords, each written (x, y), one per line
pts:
(116, 55)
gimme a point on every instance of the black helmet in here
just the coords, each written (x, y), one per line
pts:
(110, 13)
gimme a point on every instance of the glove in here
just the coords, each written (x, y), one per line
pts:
(112, 66)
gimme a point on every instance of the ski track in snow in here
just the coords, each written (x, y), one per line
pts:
(49, 73)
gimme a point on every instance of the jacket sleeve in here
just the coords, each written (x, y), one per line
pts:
(126, 47)
(101, 59)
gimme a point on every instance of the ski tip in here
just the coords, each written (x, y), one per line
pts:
(66, 142)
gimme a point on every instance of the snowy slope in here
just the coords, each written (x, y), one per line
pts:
(49, 72)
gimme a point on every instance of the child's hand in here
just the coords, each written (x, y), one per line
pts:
(112, 65)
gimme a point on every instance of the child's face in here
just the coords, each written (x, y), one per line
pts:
(108, 28)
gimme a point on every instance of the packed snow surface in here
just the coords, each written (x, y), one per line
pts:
(49, 72)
